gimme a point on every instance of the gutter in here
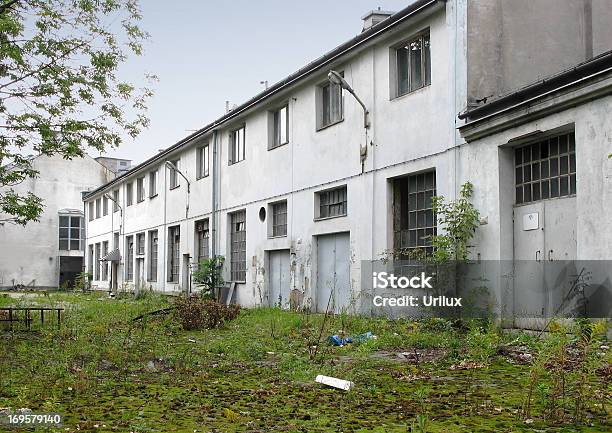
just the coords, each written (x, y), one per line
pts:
(302, 73)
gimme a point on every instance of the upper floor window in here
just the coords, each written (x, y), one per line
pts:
(91, 211)
(104, 205)
(236, 145)
(332, 202)
(153, 184)
(280, 127)
(115, 200)
(71, 233)
(129, 193)
(98, 207)
(203, 161)
(329, 104)
(412, 64)
(174, 176)
(140, 189)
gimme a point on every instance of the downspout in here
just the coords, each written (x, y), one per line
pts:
(164, 232)
(213, 217)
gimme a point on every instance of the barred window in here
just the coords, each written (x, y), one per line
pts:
(104, 264)
(97, 263)
(546, 169)
(238, 246)
(202, 239)
(414, 221)
(174, 247)
(129, 258)
(279, 219)
(71, 233)
(140, 244)
(153, 244)
(332, 203)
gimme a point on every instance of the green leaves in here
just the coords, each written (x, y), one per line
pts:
(59, 87)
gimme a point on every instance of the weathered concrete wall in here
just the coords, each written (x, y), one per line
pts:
(512, 43)
(31, 253)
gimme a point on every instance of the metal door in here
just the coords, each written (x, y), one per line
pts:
(333, 272)
(278, 278)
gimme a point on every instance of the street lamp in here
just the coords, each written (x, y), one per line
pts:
(173, 166)
(109, 197)
(337, 79)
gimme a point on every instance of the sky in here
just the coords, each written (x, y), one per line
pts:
(207, 52)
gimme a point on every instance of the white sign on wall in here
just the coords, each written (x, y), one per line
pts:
(531, 221)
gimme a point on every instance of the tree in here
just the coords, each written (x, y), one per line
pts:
(60, 93)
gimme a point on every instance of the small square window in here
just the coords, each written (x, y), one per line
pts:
(332, 203)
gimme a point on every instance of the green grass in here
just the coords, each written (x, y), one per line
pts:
(257, 374)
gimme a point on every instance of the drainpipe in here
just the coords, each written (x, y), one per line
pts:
(213, 217)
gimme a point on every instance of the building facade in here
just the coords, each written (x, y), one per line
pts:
(49, 253)
(296, 189)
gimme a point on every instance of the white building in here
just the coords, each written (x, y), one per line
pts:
(295, 192)
(49, 253)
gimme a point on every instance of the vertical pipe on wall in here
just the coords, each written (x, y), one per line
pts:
(213, 216)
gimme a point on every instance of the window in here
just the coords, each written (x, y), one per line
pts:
(129, 194)
(546, 169)
(238, 246)
(104, 264)
(414, 221)
(279, 219)
(115, 200)
(152, 184)
(280, 127)
(115, 240)
(203, 162)
(140, 189)
(97, 263)
(412, 65)
(140, 244)
(71, 233)
(91, 211)
(236, 144)
(129, 258)
(174, 253)
(104, 206)
(90, 260)
(329, 110)
(174, 176)
(203, 237)
(153, 243)
(98, 207)
(332, 203)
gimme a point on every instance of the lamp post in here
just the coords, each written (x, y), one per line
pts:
(172, 166)
(337, 79)
(109, 197)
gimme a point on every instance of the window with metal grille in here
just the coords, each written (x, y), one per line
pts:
(140, 189)
(71, 233)
(413, 65)
(280, 127)
(279, 219)
(129, 258)
(238, 246)
(129, 194)
(174, 176)
(546, 169)
(174, 253)
(153, 184)
(140, 244)
(97, 263)
(332, 203)
(330, 110)
(203, 162)
(203, 237)
(153, 244)
(237, 143)
(104, 264)
(115, 200)
(414, 221)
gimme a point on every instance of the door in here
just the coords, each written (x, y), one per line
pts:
(278, 278)
(333, 273)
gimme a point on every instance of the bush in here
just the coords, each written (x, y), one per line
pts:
(195, 312)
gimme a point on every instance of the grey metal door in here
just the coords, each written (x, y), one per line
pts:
(278, 278)
(333, 272)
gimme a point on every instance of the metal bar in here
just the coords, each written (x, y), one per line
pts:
(11, 317)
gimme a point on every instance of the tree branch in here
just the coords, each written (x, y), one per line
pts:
(7, 5)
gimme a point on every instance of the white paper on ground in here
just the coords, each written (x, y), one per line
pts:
(334, 382)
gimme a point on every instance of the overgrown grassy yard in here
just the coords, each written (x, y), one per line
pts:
(256, 374)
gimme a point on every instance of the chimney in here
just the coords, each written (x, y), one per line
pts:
(374, 17)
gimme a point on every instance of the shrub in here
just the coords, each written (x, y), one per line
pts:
(194, 312)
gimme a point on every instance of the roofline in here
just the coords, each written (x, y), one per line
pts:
(301, 73)
(551, 83)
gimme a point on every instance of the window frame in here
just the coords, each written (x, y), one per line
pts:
(129, 193)
(175, 182)
(116, 202)
(203, 161)
(273, 220)
(426, 78)
(174, 254)
(326, 192)
(140, 248)
(237, 246)
(69, 238)
(91, 211)
(153, 255)
(153, 183)
(273, 143)
(129, 258)
(233, 147)
(140, 189)
(98, 207)
(202, 237)
(104, 205)
(104, 265)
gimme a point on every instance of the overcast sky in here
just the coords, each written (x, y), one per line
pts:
(206, 52)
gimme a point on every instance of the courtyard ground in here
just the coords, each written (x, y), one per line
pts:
(107, 373)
